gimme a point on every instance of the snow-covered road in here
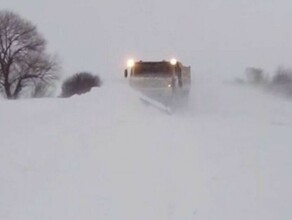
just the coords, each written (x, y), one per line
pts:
(106, 155)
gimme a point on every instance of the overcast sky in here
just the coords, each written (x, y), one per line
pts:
(219, 37)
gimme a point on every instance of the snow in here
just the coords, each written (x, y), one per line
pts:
(107, 155)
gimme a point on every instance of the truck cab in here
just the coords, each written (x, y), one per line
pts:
(162, 74)
(167, 82)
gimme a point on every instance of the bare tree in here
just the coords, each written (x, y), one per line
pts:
(23, 59)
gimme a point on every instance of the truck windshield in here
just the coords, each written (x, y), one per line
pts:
(152, 69)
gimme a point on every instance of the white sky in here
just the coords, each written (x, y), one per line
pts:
(213, 36)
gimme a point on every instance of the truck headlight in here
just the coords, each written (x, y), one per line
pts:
(130, 63)
(173, 62)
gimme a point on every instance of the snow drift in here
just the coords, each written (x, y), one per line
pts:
(106, 155)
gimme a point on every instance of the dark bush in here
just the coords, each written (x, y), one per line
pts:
(282, 76)
(80, 83)
(282, 82)
(255, 75)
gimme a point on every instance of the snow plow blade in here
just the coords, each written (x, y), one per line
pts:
(155, 104)
(166, 100)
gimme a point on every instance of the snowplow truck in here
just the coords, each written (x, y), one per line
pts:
(167, 82)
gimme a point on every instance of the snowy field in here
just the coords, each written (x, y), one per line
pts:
(106, 155)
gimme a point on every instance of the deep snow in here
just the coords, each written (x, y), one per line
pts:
(106, 155)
